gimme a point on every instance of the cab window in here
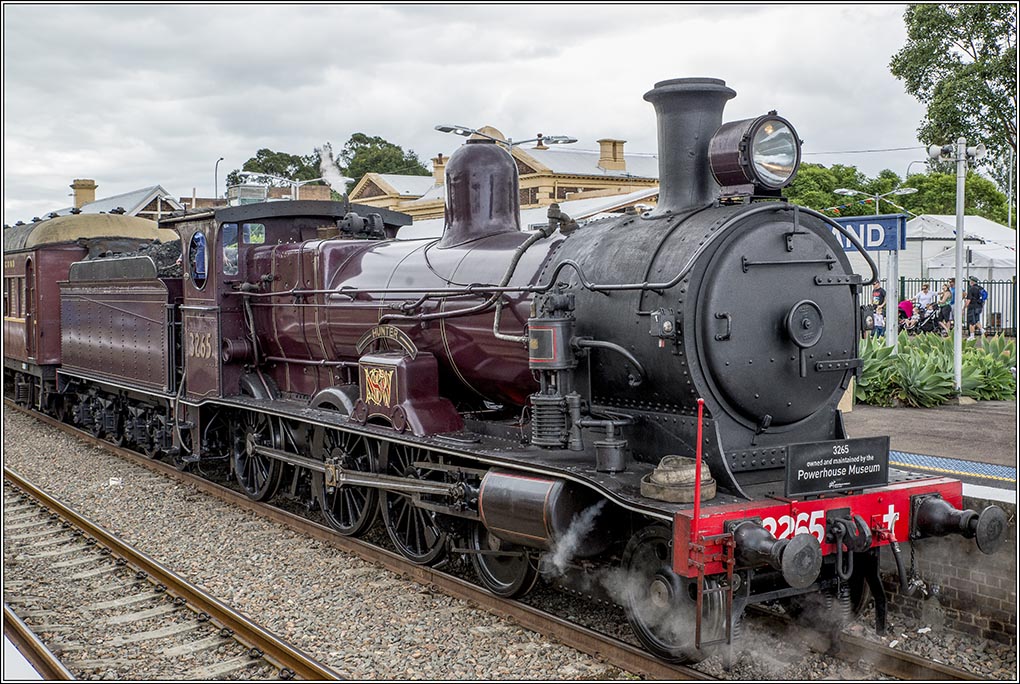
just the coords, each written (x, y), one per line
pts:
(197, 260)
(254, 234)
(229, 232)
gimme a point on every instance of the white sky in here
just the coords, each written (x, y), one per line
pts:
(146, 94)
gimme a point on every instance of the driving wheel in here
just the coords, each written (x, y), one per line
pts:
(507, 570)
(661, 606)
(414, 530)
(258, 474)
(348, 509)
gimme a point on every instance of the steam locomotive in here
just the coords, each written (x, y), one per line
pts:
(643, 407)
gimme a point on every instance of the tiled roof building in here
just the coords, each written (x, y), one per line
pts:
(547, 175)
(150, 203)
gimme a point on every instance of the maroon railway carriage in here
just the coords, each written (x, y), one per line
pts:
(37, 256)
(539, 402)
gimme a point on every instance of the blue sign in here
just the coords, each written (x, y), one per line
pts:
(875, 233)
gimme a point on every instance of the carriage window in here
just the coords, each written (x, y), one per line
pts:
(229, 233)
(7, 296)
(254, 234)
(197, 260)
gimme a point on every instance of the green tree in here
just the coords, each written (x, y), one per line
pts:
(814, 187)
(936, 194)
(281, 164)
(960, 61)
(364, 154)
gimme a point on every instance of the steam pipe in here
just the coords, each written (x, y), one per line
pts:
(588, 343)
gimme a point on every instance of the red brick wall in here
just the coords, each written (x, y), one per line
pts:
(968, 591)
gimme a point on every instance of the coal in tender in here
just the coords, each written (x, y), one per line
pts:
(166, 256)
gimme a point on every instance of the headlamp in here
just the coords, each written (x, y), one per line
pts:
(764, 152)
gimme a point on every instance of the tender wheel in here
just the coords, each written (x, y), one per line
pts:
(348, 510)
(661, 606)
(504, 569)
(414, 531)
(96, 417)
(117, 436)
(258, 475)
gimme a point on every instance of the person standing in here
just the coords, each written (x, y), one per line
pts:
(924, 297)
(878, 297)
(975, 306)
(946, 305)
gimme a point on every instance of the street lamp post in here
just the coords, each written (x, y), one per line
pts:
(216, 178)
(916, 161)
(509, 142)
(963, 153)
(892, 333)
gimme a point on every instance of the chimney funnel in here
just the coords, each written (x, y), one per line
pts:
(439, 168)
(688, 112)
(84, 191)
(611, 154)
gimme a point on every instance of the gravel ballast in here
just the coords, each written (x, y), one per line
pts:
(364, 621)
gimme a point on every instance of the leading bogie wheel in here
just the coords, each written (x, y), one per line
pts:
(258, 474)
(661, 606)
(507, 570)
(349, 510)
(413, 530)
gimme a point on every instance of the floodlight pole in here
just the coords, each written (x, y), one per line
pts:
(961, 176)
(892, 314)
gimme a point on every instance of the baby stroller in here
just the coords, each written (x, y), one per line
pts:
(925, 321)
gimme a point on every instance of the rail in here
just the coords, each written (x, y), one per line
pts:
(892, 662)
(275, 651)
(620, 654)
(28, 644)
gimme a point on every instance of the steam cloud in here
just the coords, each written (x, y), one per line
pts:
(329, 170)
(579, 528)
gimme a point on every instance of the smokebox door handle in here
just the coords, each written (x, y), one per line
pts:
(722, 315)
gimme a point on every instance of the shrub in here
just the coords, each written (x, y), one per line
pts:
(921, 373)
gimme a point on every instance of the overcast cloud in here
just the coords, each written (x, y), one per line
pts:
(132, 96)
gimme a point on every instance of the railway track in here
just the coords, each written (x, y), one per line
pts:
(31, 646)
(854, 649)
(627, 657)
(136, 615)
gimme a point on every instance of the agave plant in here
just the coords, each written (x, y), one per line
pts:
(875, 385)
(994, 380)
(1002, 349)
(921, 380)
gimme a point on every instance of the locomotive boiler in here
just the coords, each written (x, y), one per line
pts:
(652, 396)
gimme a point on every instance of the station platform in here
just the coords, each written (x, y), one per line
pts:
(975, 443)
(16, 666)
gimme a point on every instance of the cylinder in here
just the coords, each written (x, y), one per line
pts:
(237, 351)
(540, 512)
(688, 113)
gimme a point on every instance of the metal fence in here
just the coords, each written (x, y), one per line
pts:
(999, 315)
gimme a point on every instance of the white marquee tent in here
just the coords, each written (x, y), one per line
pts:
(930, 235)
(989, 261)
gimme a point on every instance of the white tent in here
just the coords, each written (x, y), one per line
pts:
(929, 235)
(988, 262)
(940, 225)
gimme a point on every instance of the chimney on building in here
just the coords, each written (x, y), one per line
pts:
(611, 155)
(439, 168)
(84, 191)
